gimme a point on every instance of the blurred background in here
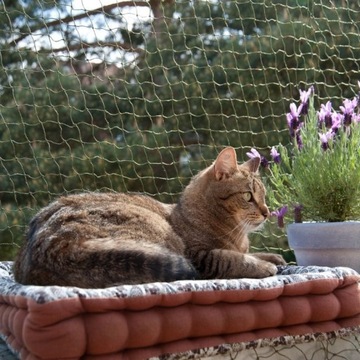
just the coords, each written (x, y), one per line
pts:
(140, 95)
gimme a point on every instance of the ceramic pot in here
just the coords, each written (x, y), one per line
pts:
(326, 244)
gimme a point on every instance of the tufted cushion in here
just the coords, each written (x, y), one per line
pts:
(153, 319)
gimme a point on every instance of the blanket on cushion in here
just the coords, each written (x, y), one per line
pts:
(142, 321)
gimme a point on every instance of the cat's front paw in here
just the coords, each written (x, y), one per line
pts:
(266, 269)
(272, 258)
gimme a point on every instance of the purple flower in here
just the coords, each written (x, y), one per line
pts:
(275, 155)
(297, 213)
(255, 154)
(324, 138)
(337, 120)
(348, 110)
(325, 115)
(304, 98)
(356, 118)
(264, 162)
(280, 214)
(293, 118)
(299, 141)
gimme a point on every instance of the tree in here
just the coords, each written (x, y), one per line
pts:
(193, 77)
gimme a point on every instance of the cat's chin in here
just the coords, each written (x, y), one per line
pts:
(257, 226)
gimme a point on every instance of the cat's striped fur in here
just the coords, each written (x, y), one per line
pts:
(102, 239)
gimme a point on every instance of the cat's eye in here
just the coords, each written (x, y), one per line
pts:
(247, 196)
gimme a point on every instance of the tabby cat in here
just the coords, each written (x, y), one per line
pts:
(95, 240)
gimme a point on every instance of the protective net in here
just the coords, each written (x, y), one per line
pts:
(140, 95)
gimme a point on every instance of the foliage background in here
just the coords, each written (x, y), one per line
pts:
(139, 95)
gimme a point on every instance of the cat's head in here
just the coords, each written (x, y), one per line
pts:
(234, 192)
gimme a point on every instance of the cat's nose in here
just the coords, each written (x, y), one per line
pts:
(265, 211)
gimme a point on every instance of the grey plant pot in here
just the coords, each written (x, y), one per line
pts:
(326, 244)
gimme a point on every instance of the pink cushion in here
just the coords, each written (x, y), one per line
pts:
(134, 322)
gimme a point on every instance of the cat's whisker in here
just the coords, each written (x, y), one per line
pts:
(237, 234)
(229, 233)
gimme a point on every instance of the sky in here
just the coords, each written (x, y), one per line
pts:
(89, 5)
(130, 15)
(80, 5)
(90, 30)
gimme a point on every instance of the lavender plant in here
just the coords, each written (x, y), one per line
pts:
(318, 177)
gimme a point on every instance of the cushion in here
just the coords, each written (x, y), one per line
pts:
(141, 321)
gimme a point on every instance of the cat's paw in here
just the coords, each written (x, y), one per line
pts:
(257, 268)
(273, 258)
(265, 269)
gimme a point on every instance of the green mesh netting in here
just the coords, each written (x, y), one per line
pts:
(140, 95)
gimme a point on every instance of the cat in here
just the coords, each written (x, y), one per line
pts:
(97, 240)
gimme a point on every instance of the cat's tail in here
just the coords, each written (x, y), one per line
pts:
(98, 264)
(136, 266)
(167, 266)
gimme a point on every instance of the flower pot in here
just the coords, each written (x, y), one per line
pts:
(326, 244)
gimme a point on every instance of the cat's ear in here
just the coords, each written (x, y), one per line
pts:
(252, 164)
(225, 164)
